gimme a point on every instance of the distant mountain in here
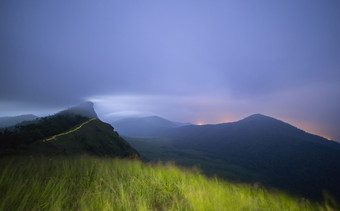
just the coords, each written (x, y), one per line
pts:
(11, 121)
(66, 133)
(256, 149)
(144, 126)
(253, 129)
(85, 109)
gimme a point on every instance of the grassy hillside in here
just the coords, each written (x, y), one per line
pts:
(92, 137)
(65, 135)
(88, 183)
(18, 139)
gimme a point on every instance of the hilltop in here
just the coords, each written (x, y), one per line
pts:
(85, 109)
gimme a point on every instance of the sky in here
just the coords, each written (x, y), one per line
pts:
(191, 61)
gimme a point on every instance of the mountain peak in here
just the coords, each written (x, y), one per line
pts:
(259, 117)
(144, 126)
(84, 109)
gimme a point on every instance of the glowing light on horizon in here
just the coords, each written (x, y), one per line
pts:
(200, 123)
(227, 121)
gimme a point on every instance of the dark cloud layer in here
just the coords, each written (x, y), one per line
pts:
(186, 60)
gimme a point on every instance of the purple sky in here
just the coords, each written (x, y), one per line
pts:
(191, 61)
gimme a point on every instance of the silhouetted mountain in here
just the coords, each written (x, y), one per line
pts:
(11, 121)
(144, 126)
(248, 131)
(84, 109)
(65, 133)
(267, 150)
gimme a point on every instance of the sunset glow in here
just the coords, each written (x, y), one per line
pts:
(227, 120)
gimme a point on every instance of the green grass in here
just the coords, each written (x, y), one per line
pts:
(89, 183)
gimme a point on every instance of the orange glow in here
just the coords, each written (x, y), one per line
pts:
(200, 123)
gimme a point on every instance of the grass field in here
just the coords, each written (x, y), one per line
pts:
(89, 183)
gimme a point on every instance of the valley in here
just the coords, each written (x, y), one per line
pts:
(258, 161)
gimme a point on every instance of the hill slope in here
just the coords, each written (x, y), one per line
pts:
(255, 149)
(66, 133)
(92, 137)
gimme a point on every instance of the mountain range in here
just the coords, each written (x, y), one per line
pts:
(257, 149)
